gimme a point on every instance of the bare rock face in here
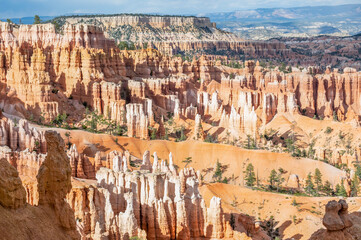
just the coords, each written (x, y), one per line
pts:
(20, 136)
(54, 182)
(25, 148)
(339, 223)
(54, 175)
(137, 121)
(332, 219)
(80, 164)
(12, 192)
(156, 203)
(53, 216)
(127, 86)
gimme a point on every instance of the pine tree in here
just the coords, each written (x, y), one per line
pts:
(280, 179)
(318, 179)
(218, 173)
(187, 161)
(340, 189)
(272, 179)
(358, 171)
(37, 19)
(67, 135)
(250, 175)
(327, 188)
(310, 187)
(355, 186)
(337, 189)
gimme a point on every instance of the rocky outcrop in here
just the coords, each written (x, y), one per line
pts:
(19, 136)
(54, 182)
(198, 129)
(25, 148)
(137, 121)
(134, 20)
(149, 29)
(52, 217)
(339, 223)
(251, 49)
(12, 193)
(80, 164)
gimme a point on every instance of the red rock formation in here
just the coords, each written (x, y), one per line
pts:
(54, 182)
(80, 164)
(155, 205)
(252, 49)
(53, 211)
(86, 67)
(339, 223)
(137, 121)
(19, 136)
(12, 193)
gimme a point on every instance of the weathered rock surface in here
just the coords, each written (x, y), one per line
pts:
(87, 68)
(53, 216)
(153, 203)
(339, 223)
(12, 193)
(54, 182)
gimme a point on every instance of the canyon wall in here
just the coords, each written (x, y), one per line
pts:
(154, 202)
(172, 35)
(80, 69)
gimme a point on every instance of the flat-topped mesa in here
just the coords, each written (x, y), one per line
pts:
(156, 202)
(177, 34)
(46, 36)
(113, 21)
